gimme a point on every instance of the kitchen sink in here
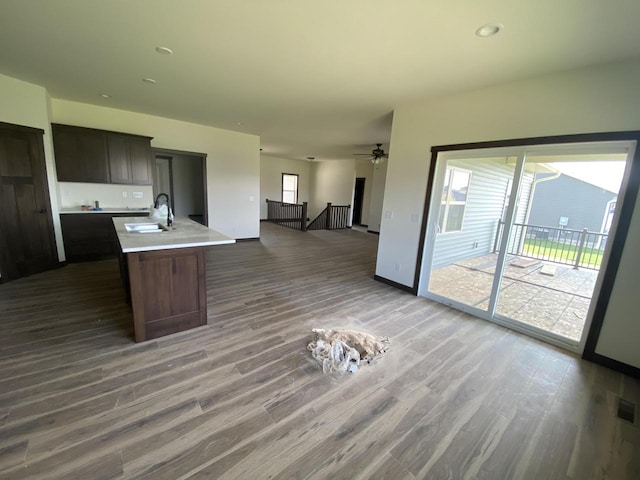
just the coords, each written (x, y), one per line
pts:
(146, 227)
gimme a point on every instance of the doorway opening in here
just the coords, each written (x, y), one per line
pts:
(520, 235)
(358, 201)
(183, 176)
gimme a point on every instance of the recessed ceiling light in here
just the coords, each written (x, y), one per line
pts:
(238, 123)
(489, 30)
(149, 80)
(164, 50)
(105, 95)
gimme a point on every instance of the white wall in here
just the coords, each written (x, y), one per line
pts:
(271, 170)
(620, 332)
(332, 181)
(233, 160)
(364, 169)
(26, 104)
(598, 99)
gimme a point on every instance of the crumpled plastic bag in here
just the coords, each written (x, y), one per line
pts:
(341, 350)
(161, 213)
(335, 357)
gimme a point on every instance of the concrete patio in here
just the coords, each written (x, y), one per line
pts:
(557, 303)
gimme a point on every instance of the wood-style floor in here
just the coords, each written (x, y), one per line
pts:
(455, 397)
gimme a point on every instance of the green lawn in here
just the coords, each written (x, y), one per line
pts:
(550, 250)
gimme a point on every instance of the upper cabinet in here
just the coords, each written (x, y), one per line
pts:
(98, 156)
(130, 159)
(81, 154)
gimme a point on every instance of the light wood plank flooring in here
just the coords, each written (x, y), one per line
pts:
(455, 397)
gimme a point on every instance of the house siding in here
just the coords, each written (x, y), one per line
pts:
(484, 209)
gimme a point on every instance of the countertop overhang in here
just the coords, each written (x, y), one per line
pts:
(184, 233)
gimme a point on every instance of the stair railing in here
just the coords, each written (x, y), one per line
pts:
(333, 217)
(292, 215)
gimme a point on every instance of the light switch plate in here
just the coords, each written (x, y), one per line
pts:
(137, 194)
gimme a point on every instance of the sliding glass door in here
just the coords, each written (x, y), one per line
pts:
(473, 195)
(518, 235)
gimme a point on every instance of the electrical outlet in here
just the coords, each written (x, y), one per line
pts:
(388, 215)
(137, 194)
(398, 267)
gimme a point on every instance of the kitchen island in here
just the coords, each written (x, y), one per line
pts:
(164, 274)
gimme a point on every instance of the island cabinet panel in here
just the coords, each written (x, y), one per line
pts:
(168, 291)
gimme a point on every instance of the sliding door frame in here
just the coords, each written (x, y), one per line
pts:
(628, 196)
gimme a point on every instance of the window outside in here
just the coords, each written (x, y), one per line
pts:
(289, 188)
(454, 199)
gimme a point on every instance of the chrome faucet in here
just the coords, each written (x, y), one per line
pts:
(157, 204)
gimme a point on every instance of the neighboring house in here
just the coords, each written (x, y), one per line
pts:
(567, 202)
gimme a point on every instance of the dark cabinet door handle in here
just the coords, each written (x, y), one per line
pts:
(42, 210)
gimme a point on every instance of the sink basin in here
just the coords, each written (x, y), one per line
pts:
(147, 227)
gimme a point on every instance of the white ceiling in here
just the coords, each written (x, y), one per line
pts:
(316, 78)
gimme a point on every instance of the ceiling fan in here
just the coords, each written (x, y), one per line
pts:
(377, 155)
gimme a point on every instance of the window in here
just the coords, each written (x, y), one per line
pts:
(289, 188)
(454, 199)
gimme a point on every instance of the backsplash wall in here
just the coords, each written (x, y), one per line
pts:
(74, 195)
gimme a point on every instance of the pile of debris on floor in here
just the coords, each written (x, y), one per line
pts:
(341, 350)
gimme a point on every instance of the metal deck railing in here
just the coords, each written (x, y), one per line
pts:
(580, 248)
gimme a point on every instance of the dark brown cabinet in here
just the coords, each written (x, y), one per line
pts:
(168, 291)
(142, 162)
(119, 159)
(98, 156)
(130, 160)
(81, 154)
(90, 236)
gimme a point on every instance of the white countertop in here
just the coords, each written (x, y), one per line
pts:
(105, 210)
(185, 233)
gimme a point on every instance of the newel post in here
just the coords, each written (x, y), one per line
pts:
(328, 216)
(303, 220)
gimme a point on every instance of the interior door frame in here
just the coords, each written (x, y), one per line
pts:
(628, 195)
(358, 199)
(156, 187)
(168, 153)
